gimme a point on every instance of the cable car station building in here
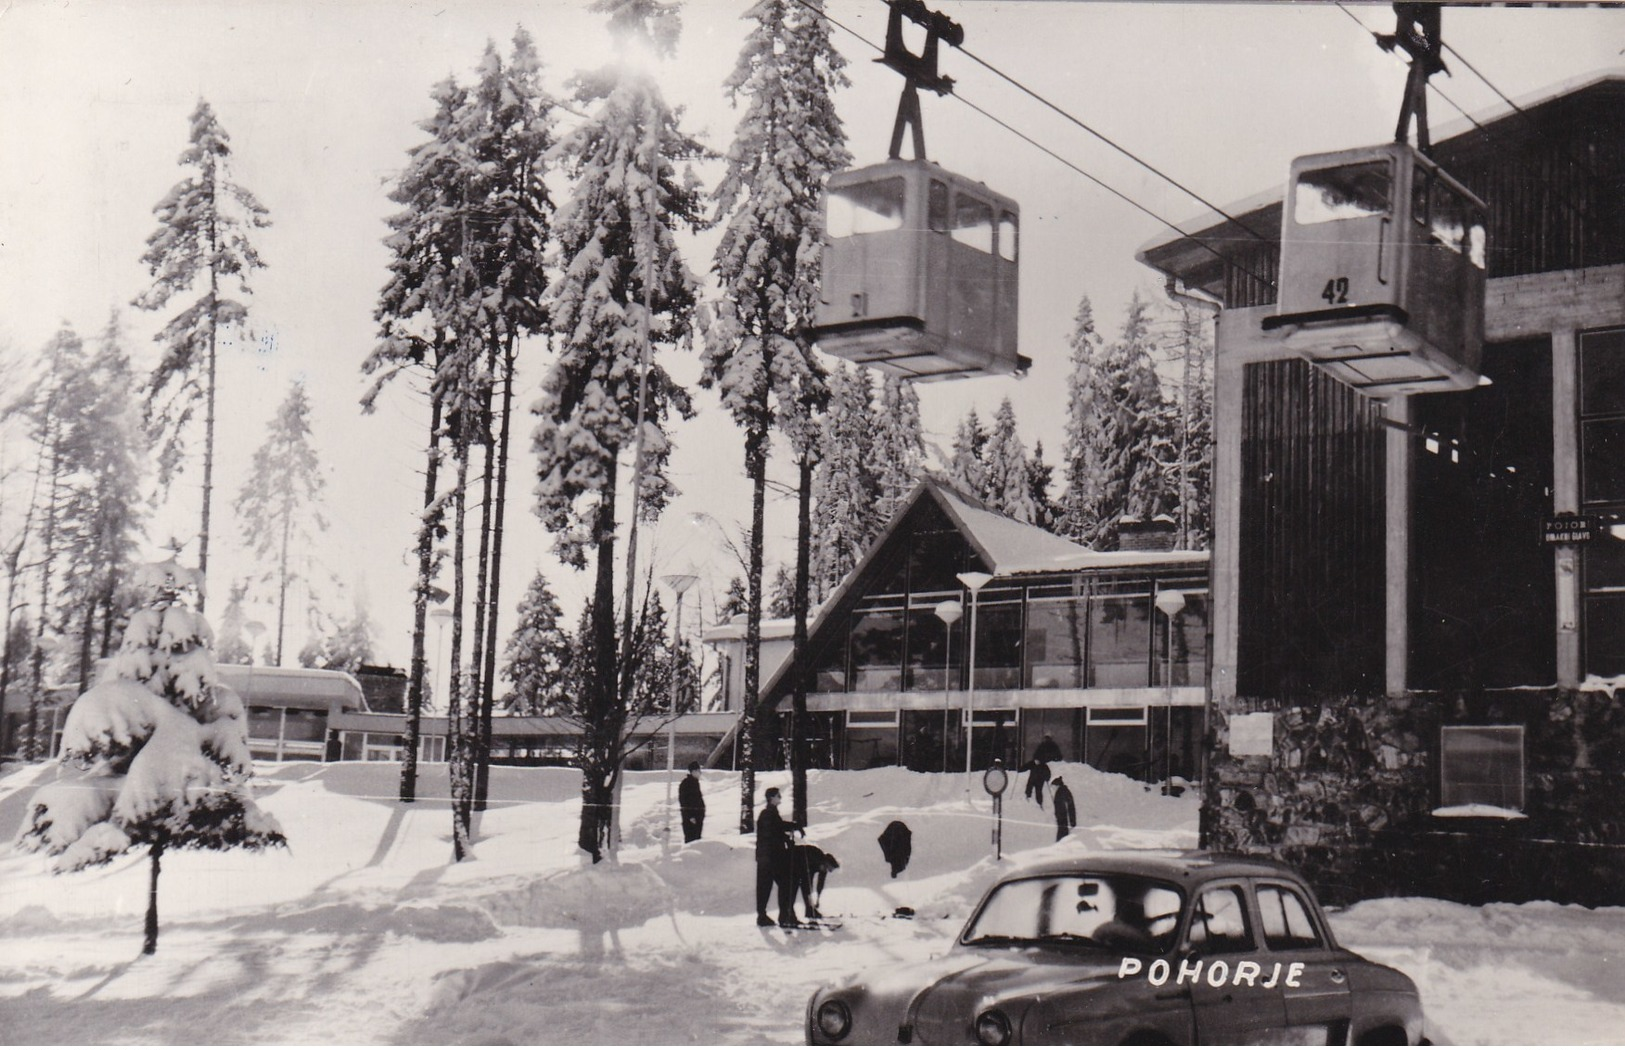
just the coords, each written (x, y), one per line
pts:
(1069, 642)
(1419, 597)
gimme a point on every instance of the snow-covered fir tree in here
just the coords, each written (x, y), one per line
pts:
(616, 230)
(733, 600)
(770, 204)
(1040, 476)
(200, 247)
(539, 654)
(1186, 449)
(899, 444)
(1005, 468)
(1124, 410)
(781, 596)
(344, 646)
(280, 503)
(846, 485)
(966, 467)
(1081, 472)
(159, 750)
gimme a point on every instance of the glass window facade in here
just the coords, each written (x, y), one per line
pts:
(1602, 474)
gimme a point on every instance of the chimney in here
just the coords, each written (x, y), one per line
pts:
(1135, 534)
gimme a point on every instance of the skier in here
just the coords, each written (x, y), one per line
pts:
(773, 866)
(1037, 776)
(1066, 814)
(691, 803)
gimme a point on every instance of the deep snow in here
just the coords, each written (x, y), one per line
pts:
(364, 932)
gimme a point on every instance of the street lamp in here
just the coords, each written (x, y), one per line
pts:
(441, 616)
(949, 613)
(974, 582)
(1169, 603)
(679, 583)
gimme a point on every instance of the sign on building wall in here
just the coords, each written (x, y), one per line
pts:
(1252, 734)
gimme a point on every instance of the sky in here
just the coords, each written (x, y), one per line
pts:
(321, 101)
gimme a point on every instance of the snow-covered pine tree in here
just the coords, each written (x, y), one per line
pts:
(1187, 427)
(280, 502)
(414, 314)
(770, 203)
(1080, 471)
(781, 597)
(160, 750)
(104, 458)
(345, 646)
(1005, 468)
(615, 233)
(1040, 476)
(845, 485)
(966, 466)
(899, 444)
(733, 601)
(539, 654)
(1127, 413)
(202, 243)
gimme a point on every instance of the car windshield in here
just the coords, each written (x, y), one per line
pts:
(1125, 913)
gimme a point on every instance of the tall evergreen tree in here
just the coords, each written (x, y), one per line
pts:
(1080, 471)
(344, 646)
(845, 485)
(104, 462)
(967, 468)
(1125, 412)
(622, 287)
(899, 444)
(539, 654)
(781, 598)
(201, 244)
(230, 647)
(279, 503)
(1186, 448)
(1040, 476)
(162, 752)
(1005, 468)
(770, 201)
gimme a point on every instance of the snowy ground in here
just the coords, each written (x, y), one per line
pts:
(364, 932)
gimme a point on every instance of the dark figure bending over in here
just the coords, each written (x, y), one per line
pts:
(1066, 814)
(773, 867)
(691, 803)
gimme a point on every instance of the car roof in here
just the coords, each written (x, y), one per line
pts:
(1185, 867)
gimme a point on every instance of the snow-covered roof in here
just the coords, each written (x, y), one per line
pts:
(1015, 548)
(772, 630)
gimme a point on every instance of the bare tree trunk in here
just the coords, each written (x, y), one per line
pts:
(420, 607)
(798, 677)
(149, 943)
(479, 731)
(282, 575)
(37, 692)
(488, 679)
(458, 743)
(208, 412)
(601, 728)
(749, 732)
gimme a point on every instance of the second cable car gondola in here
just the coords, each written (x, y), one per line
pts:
(1382, 271)
(919, 273)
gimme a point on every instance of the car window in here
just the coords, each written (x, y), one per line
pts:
(1219, 922)
(1119, 912)
(1286, 920)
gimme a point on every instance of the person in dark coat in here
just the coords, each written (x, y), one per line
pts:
(1037, 777)
(691, 803)
(773, 868)
(1066, 814)
(897, 845)
(1047, 750)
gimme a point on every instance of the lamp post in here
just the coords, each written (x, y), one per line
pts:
(974, 582)
(949, 613)
(441, 616)
(679, 583)
(1169, 603)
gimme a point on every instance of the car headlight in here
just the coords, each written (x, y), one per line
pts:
(992, 1028)
(834, 1019)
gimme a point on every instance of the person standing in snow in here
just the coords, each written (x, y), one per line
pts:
(1047, 750)
(1037, 776)
(691, 803)
(773, 863)
(1066, 814)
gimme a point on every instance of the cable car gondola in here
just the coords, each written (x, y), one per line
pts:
(919, 264)
(1383, 253)
(1382, 271)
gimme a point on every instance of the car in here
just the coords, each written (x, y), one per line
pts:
(1132, 946)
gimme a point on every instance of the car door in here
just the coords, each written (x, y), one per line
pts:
(1314, 976)
(1219, 936)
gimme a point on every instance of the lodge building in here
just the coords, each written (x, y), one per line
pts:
(1069, 642)
(1417, 652)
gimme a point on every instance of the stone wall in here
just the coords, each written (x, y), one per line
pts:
(1348, 791)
